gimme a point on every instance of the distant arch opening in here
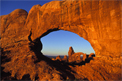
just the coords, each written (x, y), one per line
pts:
(58, 42)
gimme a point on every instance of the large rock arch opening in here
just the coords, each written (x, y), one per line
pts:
(81, 34)
(37, 45)
(57, 47)
(58, 43)
(99, 22)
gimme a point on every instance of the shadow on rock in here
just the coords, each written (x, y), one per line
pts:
(81, 63)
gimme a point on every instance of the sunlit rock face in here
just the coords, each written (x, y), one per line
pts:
(99, 22)
(65, 58)
(71, 51)
(75, 57)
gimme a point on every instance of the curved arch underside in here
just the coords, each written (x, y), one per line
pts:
(99, 22)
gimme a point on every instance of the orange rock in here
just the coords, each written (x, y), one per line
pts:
(76, 57)
(71, 51)
(58, 58)
(84, 57)
(98, 22)
(91, 55)
(53, 59)
(65, 58)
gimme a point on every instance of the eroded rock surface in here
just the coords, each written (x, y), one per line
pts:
(71, 51)
(99, 22)
(85, 57)
(65, 58)
(75, 57)
(91, 55)
(58, 58)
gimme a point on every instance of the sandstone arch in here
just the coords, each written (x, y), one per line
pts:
(99, 22)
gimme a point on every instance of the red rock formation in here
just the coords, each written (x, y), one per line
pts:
(99, 22)
(71, 51)
(91, 55)
(58, 58)
(65, 58)
(84, 57)
(53, 59)
(75, 57)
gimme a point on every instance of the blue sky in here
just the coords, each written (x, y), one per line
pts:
(55, 43)
(58, 43)
(8, 6)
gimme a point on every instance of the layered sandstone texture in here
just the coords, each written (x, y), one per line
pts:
(99, 22)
